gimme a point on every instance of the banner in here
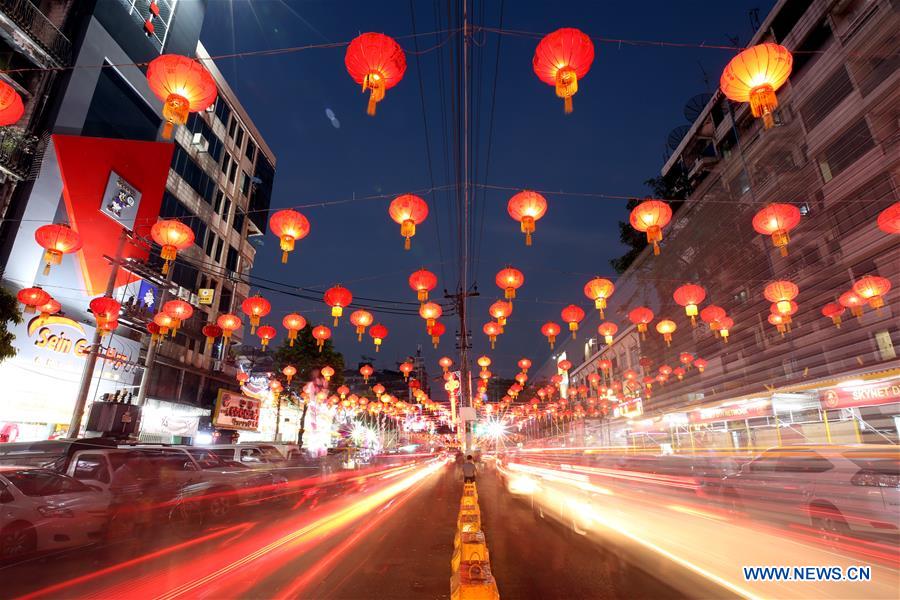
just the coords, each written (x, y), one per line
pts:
(870, 394)
(234, 411)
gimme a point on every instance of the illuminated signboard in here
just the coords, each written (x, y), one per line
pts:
(120, 201)
(234, 411)
(870, 394)
(744, 410)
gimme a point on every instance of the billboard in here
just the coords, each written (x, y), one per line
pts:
(236, 411)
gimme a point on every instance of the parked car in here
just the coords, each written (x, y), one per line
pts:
(839, 490)
(41, 510)
(264, 457)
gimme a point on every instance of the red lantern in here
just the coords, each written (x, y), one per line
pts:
(572, 315)
(163, 323)
(211, 331)
(526, 207)
(33, 297)
(229, 324)
(105, 309)
(781, 292)
(266, 334)
(725, 328)
(408, 210)
(594, 380)
(179, 310)
(431, 312)
(56, 240)
(321, 333)
(361, 319)
(524, 364)
(641, 317)
(378, 332)
(242, 377)
(778, 321)
(154, 330)
(422, 281)
(377, 63)
(366, 371)
(492, 330)
(833, 311)
(550, 330)
(327, 372)
(289, 372)
(509, 280)
(599, 290)
(665, 370)
(173, 236)
(50, 307)
(686, 359)
(605, 365)
(651, 216)
(338, 298)
(608, 331)
(290, 226)
(711, 315)
(293, 323)
(666, 328)
(701, 364)
(755, 75)
(889, 219)
(500, 310)
(446, 362)
(873, 289)
(11, 106)
(689, 296)
(255, 307)
(679, 372)
(561, 59)
(854, 302)
(406, 368)
(437, 330)
(777, 220)
(564, 365)
(183, 85)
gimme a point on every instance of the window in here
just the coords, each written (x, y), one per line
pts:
(218, 256)
(172, 208)
(225, 300)
(117, 111)
(217, 205)
(826, 98)
(223, 111)
(91, 467)
(231, 128)
(41, 482)
(240, 138)
(238, 224)
(845, 150)
(245, 184)
(197, 126)
(226, 209)
(231, 263)
(232, 172)
(207, 459)
(862, 205)
(250, 152)
(802, 461)
(226, 163)
(5, 495)
(885, 345)
(210, 244)
(193, 175)
(811, 48)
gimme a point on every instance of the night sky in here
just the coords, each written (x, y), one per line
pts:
(616, 139)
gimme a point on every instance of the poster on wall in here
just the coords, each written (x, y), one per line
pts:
(235, 411)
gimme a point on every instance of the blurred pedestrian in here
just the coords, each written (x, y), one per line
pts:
(468, 470)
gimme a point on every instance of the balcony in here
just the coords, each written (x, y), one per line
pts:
(17, 151)
(48, 44)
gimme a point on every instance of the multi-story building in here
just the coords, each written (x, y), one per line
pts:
(834, 153)
(102, 126)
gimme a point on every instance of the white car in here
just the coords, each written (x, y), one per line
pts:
(41, 510)
(839, 490)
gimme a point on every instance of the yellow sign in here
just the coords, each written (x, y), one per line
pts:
(205, 295)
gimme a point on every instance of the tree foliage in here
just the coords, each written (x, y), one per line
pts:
(304, 355)
(9, 312)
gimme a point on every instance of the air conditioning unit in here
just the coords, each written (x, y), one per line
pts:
(200, 142)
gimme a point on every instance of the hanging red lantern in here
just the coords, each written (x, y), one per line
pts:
(163, 323)
(50, 307)
(526, 207)
(678, 372)
(524, 364)
(242, 377)
(665, 370)
(377, 63)
(408, 210)
(833, 311)
(641, 317)
(594, 380)
(290, 226)
(509, 280)
(755, 75)
(777, 220)
(889, 219)
(378, 332)
(501, 310)
(599, 290)
(255, 307)
(778, 321)
(11, 106)
(289, 371)
(521, 378)
(229, 324)
(608, 331)
(689, 296)
(666, 328)
(711, 316)
(437, 330)
(366, 371)
(183, 85)
(154, 330)
(561, 59)
(445, 362)
(105, 309)
(361, 319)
(873, 289)
(550, 330)
(422, 282)
(211, 331)
(266, 334)
(854, 302)
(180, 311)
(572, 315)
(33, 297)
(651, 216)
(431, 312)
(686, 358)
(173, 236)
(321, 333)
(293, 323)
(56, 240)
(701, 364)
(492, 330)
(327, 372)
(564, 365)
(338, 298)
(725, 328)
(781, 292)
(406, 368)
(108, 327)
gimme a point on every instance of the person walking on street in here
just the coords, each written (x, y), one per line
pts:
(468, 470)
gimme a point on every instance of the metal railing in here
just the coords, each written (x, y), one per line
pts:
(16, 152)
(27, 16)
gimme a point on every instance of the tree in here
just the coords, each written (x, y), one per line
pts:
(304, 355)
(9, 312)
(675, 188)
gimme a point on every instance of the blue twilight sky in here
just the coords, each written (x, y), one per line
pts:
(616, 139)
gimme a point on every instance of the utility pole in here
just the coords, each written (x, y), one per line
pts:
(90, 360)
(150, 360)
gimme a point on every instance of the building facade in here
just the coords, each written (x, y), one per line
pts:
(834, 153)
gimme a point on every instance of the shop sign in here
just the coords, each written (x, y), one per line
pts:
(120, 201)
(62, 337)
(871, 394)
(630, 409)
(734, 412)
(205, 295)
(235, 411)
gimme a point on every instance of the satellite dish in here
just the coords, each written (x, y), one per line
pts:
(676, 135)
(695, 106)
